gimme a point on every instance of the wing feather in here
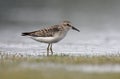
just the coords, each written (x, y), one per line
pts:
(47, 32)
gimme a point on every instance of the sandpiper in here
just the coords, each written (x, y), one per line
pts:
(51, 34)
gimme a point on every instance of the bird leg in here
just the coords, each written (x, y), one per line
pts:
(51, 49)
(48, 49)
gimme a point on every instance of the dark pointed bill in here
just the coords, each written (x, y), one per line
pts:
(75, 29)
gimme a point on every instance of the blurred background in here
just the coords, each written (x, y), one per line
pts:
(99, 24)
(98, 21)
(92, 14)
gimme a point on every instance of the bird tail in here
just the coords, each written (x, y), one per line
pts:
(25, 33)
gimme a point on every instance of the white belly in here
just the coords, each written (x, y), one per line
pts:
(54, 39)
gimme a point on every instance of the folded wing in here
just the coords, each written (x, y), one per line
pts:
(47, 32)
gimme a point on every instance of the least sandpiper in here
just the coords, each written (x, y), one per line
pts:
(51, 34)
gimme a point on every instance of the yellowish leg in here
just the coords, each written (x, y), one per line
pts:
(51, 49)
(48, 49)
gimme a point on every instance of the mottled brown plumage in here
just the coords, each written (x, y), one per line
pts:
(46, 32)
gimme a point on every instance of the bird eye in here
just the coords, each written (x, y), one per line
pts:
(68, 24)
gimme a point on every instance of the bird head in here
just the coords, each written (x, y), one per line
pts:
(68, 24)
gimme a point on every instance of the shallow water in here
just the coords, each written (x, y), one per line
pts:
(86, 42)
